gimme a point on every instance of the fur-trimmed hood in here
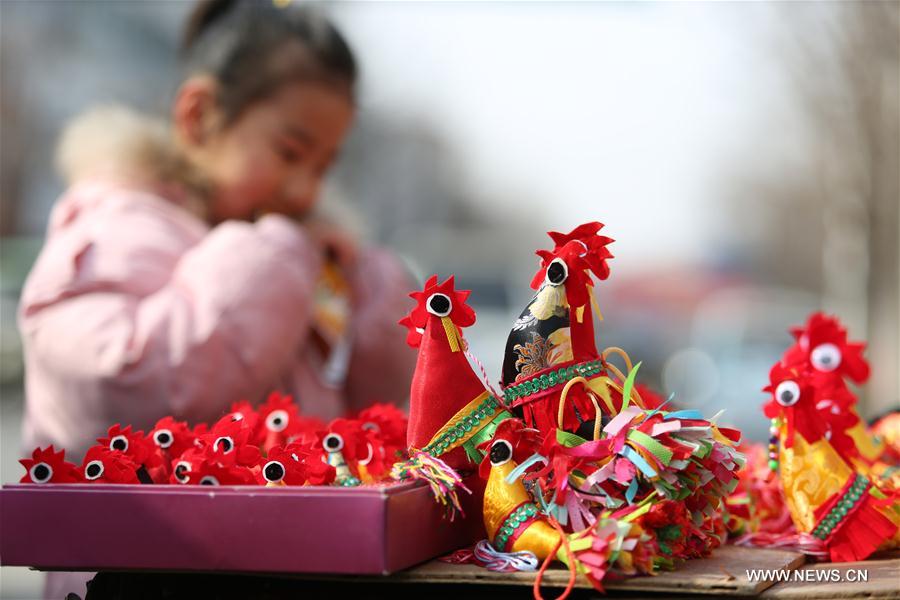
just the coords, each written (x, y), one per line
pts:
(113, 142)
(116, 142)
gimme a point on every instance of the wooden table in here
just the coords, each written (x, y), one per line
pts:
(724, 573)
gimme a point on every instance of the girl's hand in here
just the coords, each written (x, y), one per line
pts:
(338, 245)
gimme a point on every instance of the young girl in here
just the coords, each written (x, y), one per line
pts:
(179, 269)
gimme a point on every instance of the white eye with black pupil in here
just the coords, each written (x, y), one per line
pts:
(787, 393)
(163, 438)
(501, 452)
(825, 357)
(181, 470)
(41, 473)
(209, 480)
(224, 443)
(369, 426)
(273, 471)
(277, 421)
(439, 305)
(93, 470)
(557, 272)
(333, 442)
(120, 443)
(237, 416)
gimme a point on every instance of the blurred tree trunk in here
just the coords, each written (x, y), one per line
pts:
(859, 116)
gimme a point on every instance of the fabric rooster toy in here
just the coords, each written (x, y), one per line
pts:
(515, 523)
(592, 474)
(452, 410)
(279, 422)
(823, 351)
(49, 466)
(828, 463)
(552, 371)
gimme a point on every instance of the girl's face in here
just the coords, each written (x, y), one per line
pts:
(274, 157)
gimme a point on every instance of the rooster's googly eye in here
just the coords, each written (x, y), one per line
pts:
(825, 357)
(557, 272)
(93, 470)
(277, 421)
(333, 442)
(501, 452)
(41, 473)
(787, 393)
(273, 471)
(181, 470)
(439, 305)
(209, 480)
(224, 443)
(120, 443)
(163, 438)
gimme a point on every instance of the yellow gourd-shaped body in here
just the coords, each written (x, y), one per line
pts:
(501, 499)
(813, 474)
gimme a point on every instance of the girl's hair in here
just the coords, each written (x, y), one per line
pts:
(251, 47)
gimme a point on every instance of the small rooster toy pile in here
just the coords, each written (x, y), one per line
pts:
(581, 465)
(839, 479)
(272, 445)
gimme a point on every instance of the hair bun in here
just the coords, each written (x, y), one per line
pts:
(204, 14)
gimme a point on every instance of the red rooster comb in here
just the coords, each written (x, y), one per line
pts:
(565, 267)
(512, 440)
(48, 466)
(822, 344)
(438, 300)
(593, 246)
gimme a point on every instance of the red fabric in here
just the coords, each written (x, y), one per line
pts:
(443, 382)
(596, 253)
(583, 251)
(525, 441)
(390, 423)
(141, 450)
(543, 413)
(279, 422)
(118, 467)
(861, 534)
(807, 416)
(823, 329)
(803, 416)
(62, 470)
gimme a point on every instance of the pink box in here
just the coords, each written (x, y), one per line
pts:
(364, 530)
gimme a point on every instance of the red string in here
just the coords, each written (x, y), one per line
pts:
(563, 541)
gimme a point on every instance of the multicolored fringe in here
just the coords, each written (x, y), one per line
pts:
(439, 476)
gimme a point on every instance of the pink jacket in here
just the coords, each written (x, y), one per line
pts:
(136, 309)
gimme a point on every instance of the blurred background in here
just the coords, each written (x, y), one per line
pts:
(743, 155)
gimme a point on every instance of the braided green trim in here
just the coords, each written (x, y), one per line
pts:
(836, 515)
(524, 513)
(559, 377)
(463, 430)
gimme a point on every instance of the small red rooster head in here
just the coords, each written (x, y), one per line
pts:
(172, 437)
(822, 344)
(102, 465)
(512, 441)
(49, 466)
(437, 301)
(593, 245)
